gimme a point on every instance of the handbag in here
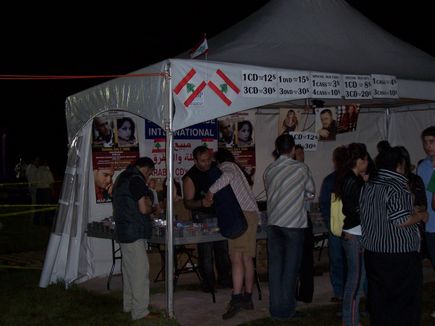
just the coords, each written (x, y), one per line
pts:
(231, 220)
(337, 216)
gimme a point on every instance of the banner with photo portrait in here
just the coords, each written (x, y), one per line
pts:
(326, 123)
(185, 141)
(114, 146)
(347, 118)
(290, 120)
(237, 134)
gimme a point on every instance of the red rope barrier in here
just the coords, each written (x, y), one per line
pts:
(63, 77)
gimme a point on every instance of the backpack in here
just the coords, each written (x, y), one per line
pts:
(337, 216)
(231, 220)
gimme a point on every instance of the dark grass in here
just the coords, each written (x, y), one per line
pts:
(22, 302)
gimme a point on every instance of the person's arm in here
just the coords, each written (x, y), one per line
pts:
(399, 214)
(189, 195)
(309, 186)
(228, 174)
(433, 201)
(145, 205)
(323, 132)
(415, 218)
(325, 200)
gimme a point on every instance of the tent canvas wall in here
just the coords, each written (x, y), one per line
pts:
(271, 42)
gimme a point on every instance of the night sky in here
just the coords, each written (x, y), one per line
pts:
(116, 40)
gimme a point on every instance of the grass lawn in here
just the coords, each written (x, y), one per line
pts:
(22, 302)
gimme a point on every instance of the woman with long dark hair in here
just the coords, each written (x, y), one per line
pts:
(348, 188)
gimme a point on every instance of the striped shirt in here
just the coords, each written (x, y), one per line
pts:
(385, 204)
(232, 175)
(286, 182)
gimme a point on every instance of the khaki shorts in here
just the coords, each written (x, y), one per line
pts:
(247, 242)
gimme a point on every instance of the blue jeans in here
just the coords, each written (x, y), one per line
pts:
(351, 297)
(430, 244)
(337, 265)
(209, 255)
(284, 249)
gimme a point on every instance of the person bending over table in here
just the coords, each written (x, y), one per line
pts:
(196, 184)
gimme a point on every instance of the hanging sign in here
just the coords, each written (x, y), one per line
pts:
(384, 86)
(308, 140)
(185, 140)
(259, 83)
(294, 84)
(325, 85)
(357, 87)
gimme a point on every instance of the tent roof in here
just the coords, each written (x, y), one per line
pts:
(319, 35)
(298, 35)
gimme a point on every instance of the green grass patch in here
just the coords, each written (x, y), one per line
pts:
(23, 303)
(19, 234)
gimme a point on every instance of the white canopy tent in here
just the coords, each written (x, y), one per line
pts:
(284, 38)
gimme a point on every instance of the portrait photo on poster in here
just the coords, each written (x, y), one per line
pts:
(326, 124)
(245, 133)
(126, 132)
(289, 120)
(102, 132)
(347, 118)
(103, 181)
(226, 132)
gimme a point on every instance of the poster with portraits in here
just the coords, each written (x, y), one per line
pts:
(347, 118)
(185, 141)
(326, 123)
(114, 147)
(290, 120)
(237, 134)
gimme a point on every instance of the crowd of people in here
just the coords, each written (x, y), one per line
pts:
(41, 187)
(387, 211)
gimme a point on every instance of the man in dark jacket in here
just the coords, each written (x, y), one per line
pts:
(132, 206)
(196, 184)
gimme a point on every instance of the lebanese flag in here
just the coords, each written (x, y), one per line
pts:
(199, 49)
(224, 87)
(189, 87)
(159, 145)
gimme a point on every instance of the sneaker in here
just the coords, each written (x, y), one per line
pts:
(233, 308)
(433, 314)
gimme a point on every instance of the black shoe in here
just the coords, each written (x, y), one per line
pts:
(247, 303)
(234, 307)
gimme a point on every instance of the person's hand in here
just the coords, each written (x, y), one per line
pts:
(109, 189)
(157, 209)
(424, 216)
(206, 202)
(209, 196)
(148, 202)
(324, 133)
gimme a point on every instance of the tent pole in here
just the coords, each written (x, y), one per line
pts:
(169, 203)
(387, 124)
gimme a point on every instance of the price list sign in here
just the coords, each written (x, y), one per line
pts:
(324, 85)
(308, 140)
(384, 86)
(293, 84)
(258, 83)
(357, 87)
